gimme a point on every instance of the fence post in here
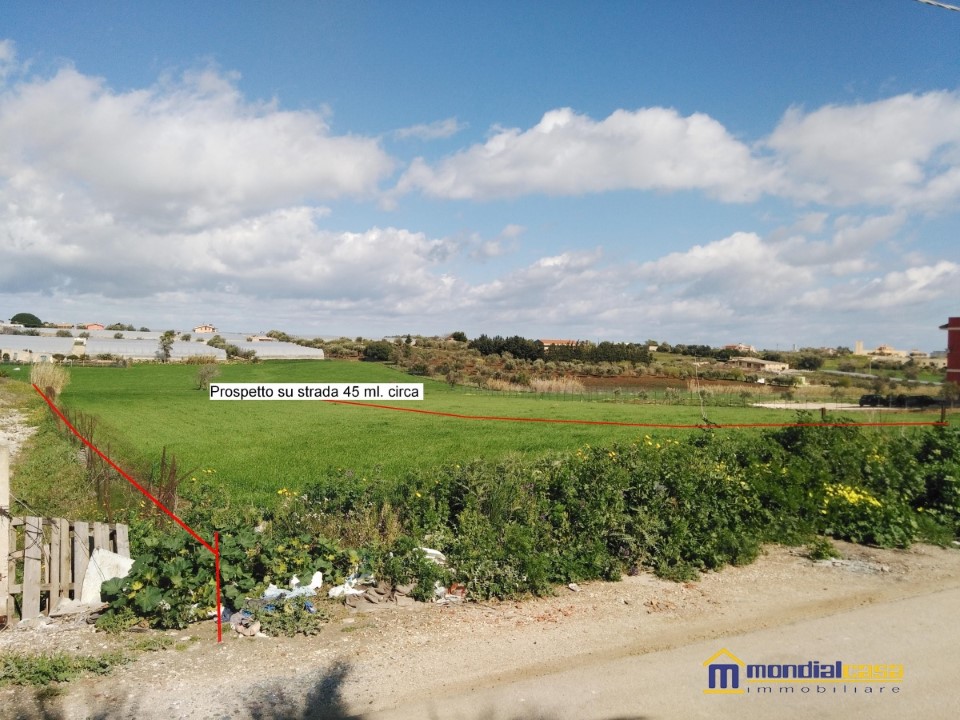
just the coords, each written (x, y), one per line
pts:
(81, 555)
(32, 558)
(5, 597)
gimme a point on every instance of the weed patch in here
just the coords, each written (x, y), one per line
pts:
(41, 670)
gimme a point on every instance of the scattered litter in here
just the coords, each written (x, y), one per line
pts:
(343, 590)
(574, 587)
(244, 623)
(435, 555)
(296, 590)
(104, 565)
(445, 596)
(349, 585)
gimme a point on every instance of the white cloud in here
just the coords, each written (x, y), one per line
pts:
(486, 249)
(893, 290)
(8, 58)
(504, 243)
(187, 153)
(280, 254)
(902, 151)
(741, 266)
(848, 251)
(432, 131)
(899, 152)
(570, 154)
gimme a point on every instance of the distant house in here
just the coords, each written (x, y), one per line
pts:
(758, 365)
(547, 344)
(204, 329)
(879, 351)
(93, 326)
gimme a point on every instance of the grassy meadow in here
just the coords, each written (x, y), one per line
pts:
(259, 447)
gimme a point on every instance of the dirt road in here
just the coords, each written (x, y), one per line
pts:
(613, 650)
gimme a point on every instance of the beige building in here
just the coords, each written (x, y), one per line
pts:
(758, 365)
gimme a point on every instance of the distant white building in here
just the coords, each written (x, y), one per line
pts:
(204, 329)
(758, 365)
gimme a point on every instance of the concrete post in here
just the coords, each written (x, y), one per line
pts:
(5, 604)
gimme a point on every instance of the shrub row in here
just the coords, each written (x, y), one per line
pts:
(677, 505)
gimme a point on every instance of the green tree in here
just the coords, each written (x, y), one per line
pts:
(380, 351)
(810, 362)
(27, 320)
(165, 348)
(205, 374)
(950, 393)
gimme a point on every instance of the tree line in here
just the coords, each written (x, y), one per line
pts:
(525, 349)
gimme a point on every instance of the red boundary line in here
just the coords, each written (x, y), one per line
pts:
(701, 426)
(215, 548)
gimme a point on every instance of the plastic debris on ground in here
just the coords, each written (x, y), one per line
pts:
(434, 555)
(446, 596)
(364, 591)
(244, 624)
(104, 565)
(349, 586)
(296, 589)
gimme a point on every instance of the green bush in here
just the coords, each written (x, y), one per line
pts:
(378, 351)
(676, 505)
(172, 581)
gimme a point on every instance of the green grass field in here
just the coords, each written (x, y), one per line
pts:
(258, 447)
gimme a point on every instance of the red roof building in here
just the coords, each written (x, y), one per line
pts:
(953, 349)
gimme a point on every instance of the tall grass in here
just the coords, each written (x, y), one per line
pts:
(50, 378)
(559, 386)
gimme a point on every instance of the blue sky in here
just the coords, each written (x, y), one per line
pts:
(777, 174)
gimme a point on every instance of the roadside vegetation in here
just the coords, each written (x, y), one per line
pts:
(516, 527)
